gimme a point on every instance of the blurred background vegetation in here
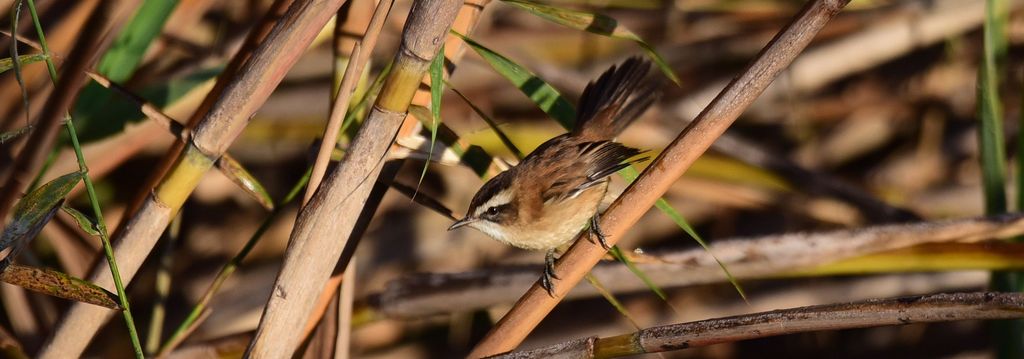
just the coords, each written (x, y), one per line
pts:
(876, 123)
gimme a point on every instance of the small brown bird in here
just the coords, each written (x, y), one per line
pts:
(550, 197)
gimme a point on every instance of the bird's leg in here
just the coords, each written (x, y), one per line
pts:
(595, 228)
(546, 280)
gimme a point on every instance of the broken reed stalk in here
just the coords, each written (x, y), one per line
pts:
(213, 134)
(314, 248)
(660, 174)
(853, 315)
(454, 49)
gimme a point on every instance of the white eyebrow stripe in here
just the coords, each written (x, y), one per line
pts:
(500, 198)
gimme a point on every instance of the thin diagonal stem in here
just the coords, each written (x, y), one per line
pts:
(108, 251)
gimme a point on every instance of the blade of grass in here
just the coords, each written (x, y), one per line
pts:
(245, 180)
(545, 96)
(436, 72)
(8, 63)
(993, 158)
(91, 190)
(473, 156)
(160, 95)
(118, 64)
(57, 284)
(15, 63)
(32, 211)
(596, 24)
(630, 174)
(426, 201)
(608, 296)
(1009, 334)
(926, 257)
(84, 222)
(490, 122)
(617, 253)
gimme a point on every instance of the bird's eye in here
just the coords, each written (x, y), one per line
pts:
(492, 211)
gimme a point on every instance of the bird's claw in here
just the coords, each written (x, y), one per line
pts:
(595, 228)
(547, 279)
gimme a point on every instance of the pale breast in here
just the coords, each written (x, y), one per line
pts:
(562, 221)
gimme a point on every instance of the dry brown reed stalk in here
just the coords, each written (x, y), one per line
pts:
(217, 127)
(346, 39)
(863, 314)
(747, 258)
(660, 174)
(346, 301)
(454, 49)
(314, 248)
(358, 58)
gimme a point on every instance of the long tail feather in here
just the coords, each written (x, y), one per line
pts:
(611, 103)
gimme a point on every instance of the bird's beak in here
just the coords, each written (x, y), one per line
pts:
(462, 222)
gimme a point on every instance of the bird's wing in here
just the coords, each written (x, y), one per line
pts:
(582, 165)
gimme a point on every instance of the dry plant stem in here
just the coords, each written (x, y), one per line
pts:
(320, 344)
(863, 314)
(162, 287)
(314, 248)
(454, 49)
(218, 127)
(353, 71)
(256, 36)
(356, 60)
(660, 174)
(747, 258)
(387, 173)
(174, 127)
(345, 300)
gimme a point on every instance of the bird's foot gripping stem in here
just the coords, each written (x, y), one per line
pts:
(595, 229)
(547, 280)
